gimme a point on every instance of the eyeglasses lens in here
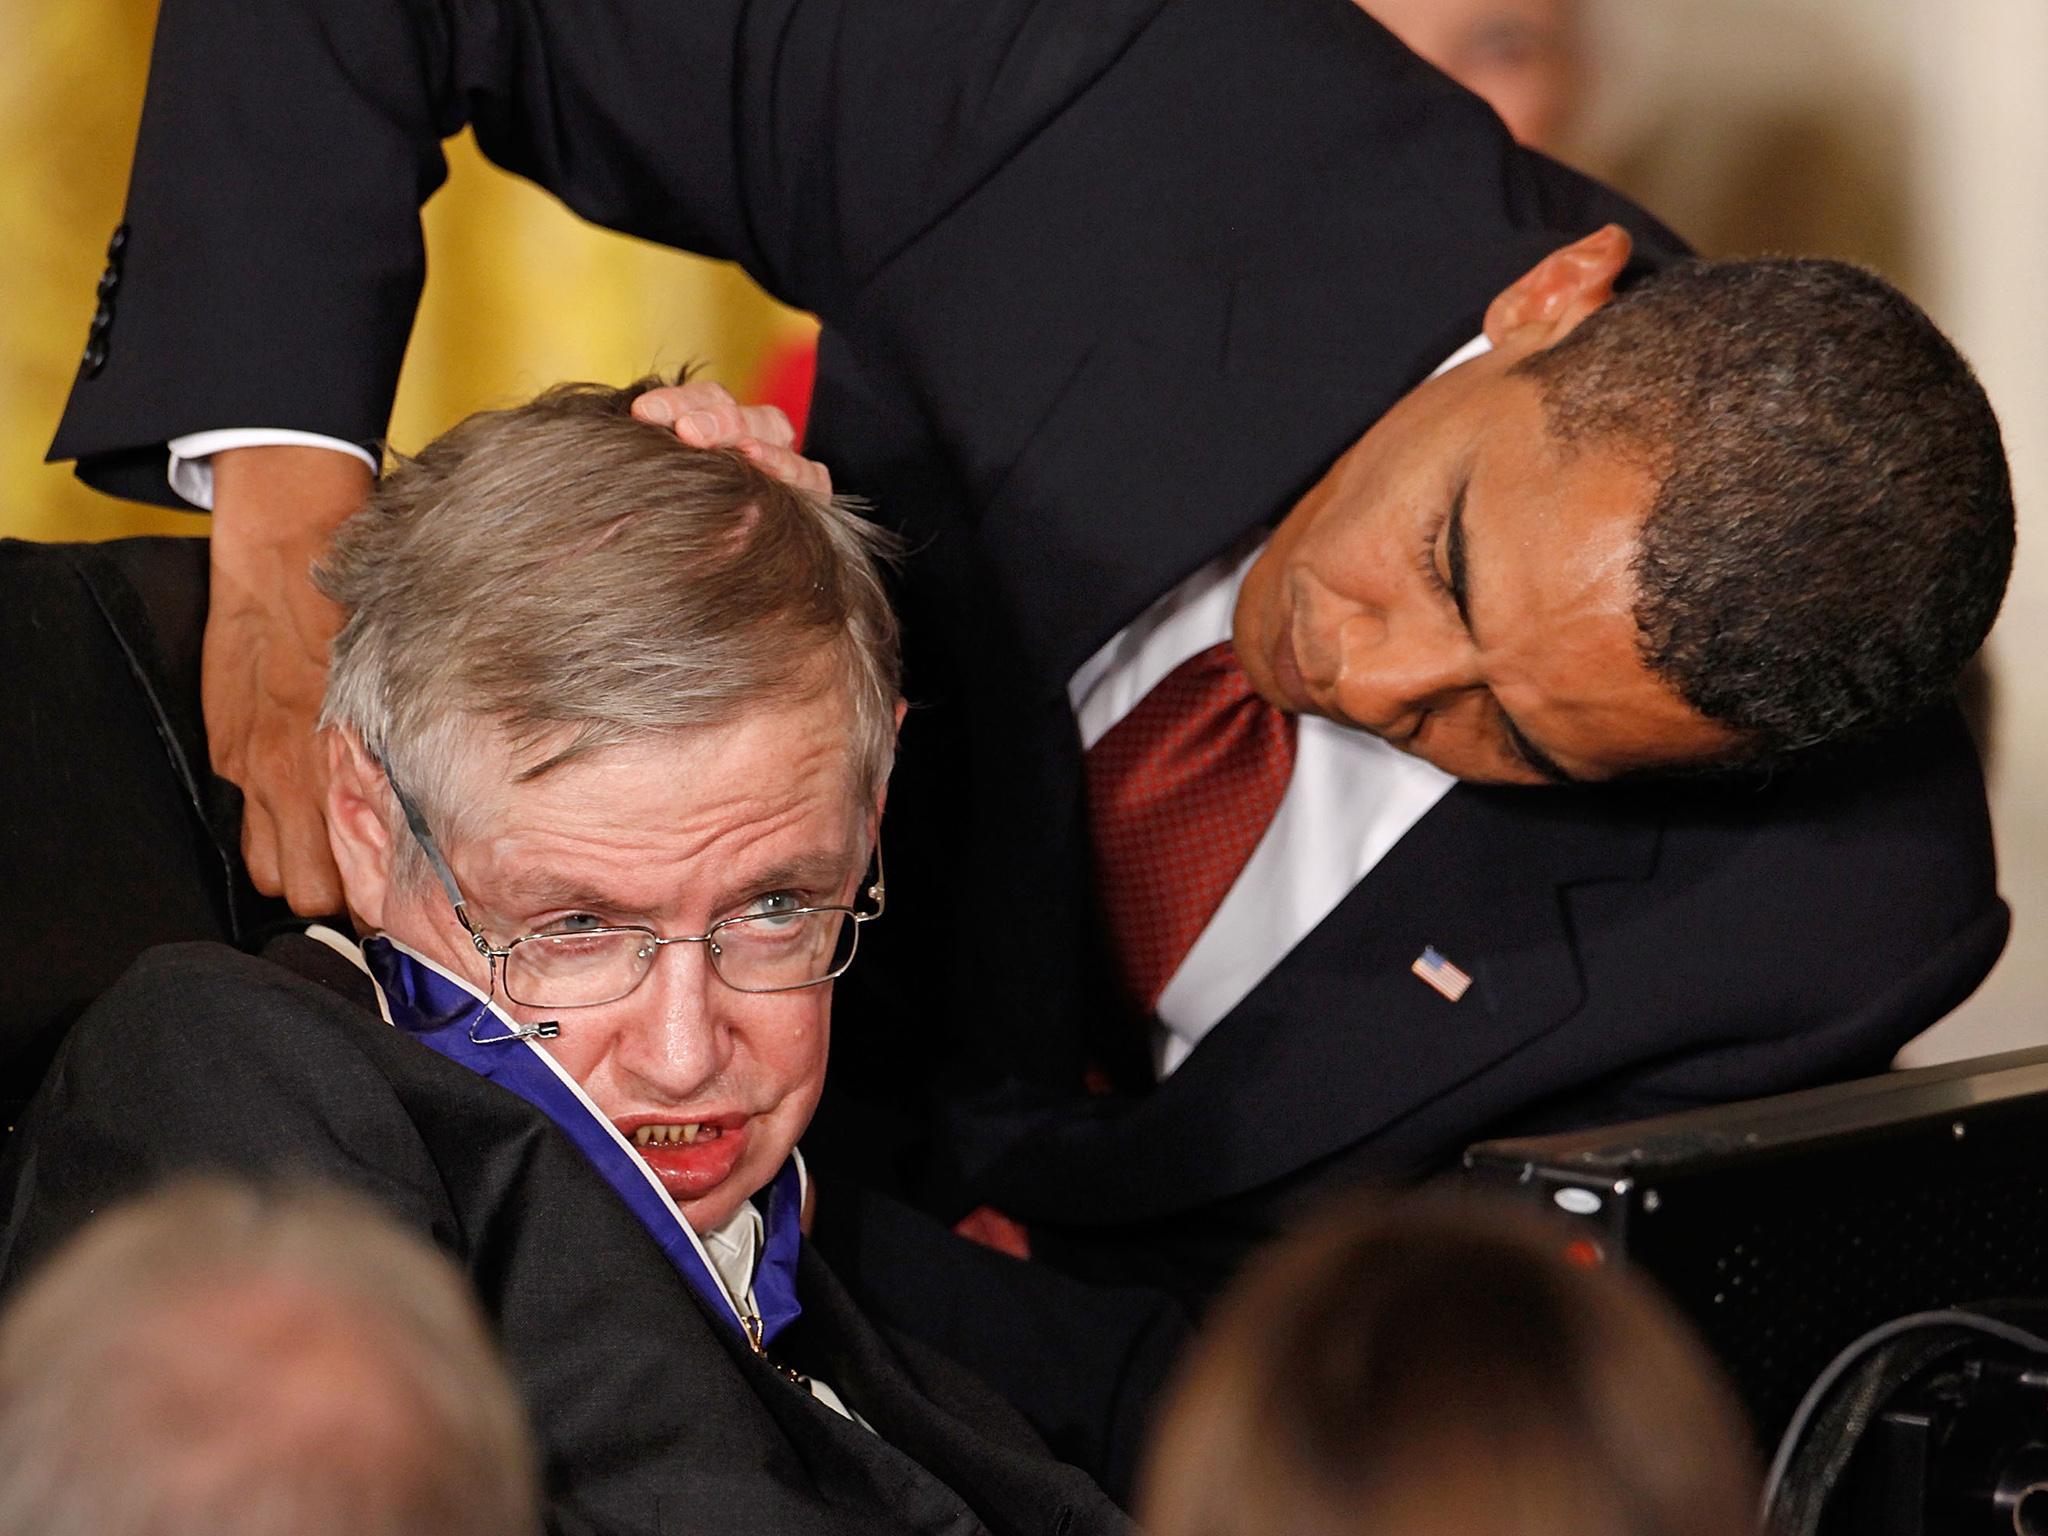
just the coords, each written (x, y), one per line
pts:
(776, 952)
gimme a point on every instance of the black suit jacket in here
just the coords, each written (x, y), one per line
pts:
(1106, 284)
(653, 1416)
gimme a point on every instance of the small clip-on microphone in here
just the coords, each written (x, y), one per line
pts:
(547, 1029)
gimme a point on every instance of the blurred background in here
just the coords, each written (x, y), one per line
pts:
(1911, 135)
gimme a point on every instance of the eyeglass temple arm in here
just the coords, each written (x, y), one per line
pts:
(432, 849)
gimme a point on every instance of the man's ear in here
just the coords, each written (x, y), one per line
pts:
(359, 827)
(1543, 305)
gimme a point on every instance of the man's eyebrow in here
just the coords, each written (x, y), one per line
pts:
(544, 888)
(809, 871)
(1455, 557)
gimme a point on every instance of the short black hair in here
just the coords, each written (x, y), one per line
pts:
(1833, 525)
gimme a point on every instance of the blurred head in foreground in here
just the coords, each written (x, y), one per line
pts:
(1428, 1368)
(214, 1361)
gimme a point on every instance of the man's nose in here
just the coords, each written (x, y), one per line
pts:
(681, 1041)
(1395, 672)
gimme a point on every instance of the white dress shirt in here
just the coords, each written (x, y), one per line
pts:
(734, 1251)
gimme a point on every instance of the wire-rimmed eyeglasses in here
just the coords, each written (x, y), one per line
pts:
(780, 951)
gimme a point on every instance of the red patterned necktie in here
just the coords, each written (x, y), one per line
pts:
(1179, 793)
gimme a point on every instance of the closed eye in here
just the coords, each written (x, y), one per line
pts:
(1532, 757)
(1430, 555)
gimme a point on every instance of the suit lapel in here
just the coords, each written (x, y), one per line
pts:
(1342, 1040)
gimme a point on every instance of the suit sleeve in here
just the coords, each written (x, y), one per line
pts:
(270, 260)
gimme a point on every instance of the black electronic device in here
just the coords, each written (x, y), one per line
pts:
(1787, 1227)
(1952, 1442)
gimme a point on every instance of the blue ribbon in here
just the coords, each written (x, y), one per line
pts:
(440, 1013)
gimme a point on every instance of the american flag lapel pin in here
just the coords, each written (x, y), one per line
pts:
(1440, 973)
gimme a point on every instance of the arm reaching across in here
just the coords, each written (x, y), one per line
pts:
(780, 134)
(281, 297)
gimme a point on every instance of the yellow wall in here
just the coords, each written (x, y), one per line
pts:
(70, 89)
(522, 294)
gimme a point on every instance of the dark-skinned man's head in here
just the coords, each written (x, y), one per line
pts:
(1736, 512)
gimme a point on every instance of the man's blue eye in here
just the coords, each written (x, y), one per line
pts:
(774, 904)
(573, 922)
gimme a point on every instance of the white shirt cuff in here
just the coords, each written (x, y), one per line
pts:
(192, 455)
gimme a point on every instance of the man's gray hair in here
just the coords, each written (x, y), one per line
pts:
(575, 579)
(216, 1360)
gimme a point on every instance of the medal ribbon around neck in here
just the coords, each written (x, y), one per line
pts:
(439, 1012)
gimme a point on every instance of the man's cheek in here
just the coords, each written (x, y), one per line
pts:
(577, 1051)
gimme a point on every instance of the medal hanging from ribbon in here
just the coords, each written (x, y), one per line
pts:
(442, 1013)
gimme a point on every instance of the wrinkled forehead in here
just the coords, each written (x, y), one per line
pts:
(790, 770)
(752, 753)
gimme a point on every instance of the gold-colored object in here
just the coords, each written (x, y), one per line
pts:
(751, 1323)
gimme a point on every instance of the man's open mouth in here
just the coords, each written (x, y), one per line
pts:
(686, 1135)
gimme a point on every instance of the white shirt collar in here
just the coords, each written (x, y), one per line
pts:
(735, 1248)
